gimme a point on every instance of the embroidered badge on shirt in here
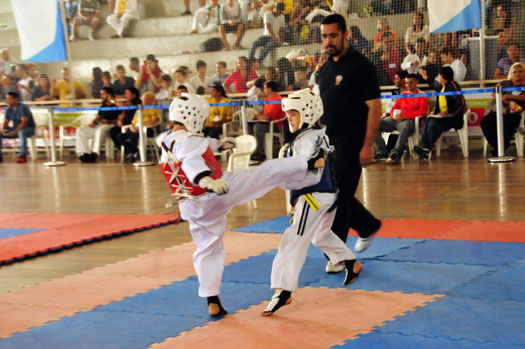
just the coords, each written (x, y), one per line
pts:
(338, 80)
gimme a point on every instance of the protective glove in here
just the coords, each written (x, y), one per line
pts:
(219, 186)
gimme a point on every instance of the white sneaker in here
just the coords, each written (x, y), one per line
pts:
(71, 37)
(90, 37)
(363, 243)
(331, 268)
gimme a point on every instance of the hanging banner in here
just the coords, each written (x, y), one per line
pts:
(40, 30)
(454, 15)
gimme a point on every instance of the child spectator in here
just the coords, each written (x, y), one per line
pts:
(205, 194)
(180, 80)
(201, 79)
(256, 93)
(221, 74)
(25, 83)
(166, 88)
(314, 200)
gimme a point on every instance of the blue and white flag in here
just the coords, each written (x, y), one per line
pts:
(454, 15)
(40, 29)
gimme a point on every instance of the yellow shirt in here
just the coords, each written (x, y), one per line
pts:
(288, 6)
(63, 90)
(442, 100)
(150, 116)
(219, 115)
(121, 6)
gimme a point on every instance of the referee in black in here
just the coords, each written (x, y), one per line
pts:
(352, 111)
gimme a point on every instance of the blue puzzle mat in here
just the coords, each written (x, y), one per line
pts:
(457, 320)
(272, 226)
(375, 340)
(11, 232)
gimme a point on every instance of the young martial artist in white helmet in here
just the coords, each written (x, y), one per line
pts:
(314, 200)
(205, 194)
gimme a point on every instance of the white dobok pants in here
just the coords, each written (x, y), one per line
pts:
(207, 214)
(98, 133)
(308, 226)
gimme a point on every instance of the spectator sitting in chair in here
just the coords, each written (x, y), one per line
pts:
(401, 119)
(166, 89)
(231, 22)
(240, 77)
(447, 114)
(149, 73)
(98, 130)
(18, 122)
(88, 13)
(130, 139)
(273, 35)
(260, 125)
(132, 96)
(513, 106)
(504, 64)
(123, 12)
(218, 115)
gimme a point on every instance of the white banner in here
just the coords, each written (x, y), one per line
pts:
(40, 30)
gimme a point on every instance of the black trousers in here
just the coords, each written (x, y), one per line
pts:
(510, 123)
(350, 212)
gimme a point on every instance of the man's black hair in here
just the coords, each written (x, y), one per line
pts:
(335, 18)
(272, 85)
(14, 94)
(134, 90)
(447, 73)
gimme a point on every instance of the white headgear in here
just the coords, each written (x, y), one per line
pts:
(307, 103)
(191, 110)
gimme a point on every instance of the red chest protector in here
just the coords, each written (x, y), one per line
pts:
(178, 181)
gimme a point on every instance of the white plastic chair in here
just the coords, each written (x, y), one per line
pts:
(41, 125)
(240, 158)
(234, 127)
(518, 138)
(462, 133)
(268, 138)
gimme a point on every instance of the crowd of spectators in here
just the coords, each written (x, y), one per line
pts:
(415, 52)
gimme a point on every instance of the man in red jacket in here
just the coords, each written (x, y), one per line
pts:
(401, 119)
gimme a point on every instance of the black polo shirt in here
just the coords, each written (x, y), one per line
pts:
(109, 115)
(345, 87)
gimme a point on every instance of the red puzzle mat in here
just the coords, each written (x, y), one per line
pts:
(66, 230)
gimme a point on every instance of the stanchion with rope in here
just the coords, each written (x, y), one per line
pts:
(499, 127)
(53, 161)
(143, 141)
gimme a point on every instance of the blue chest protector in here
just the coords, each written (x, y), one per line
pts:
(325, 185)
